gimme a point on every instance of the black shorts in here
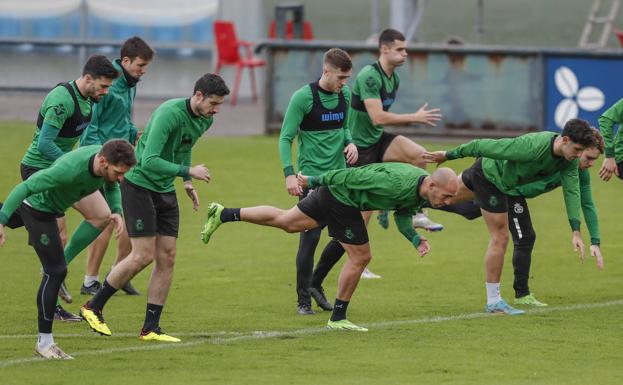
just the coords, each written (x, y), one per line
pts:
(374, 153)
(620, 169)
(487, 196)
(148, 213)
(26, 171)
(43, 234)
(345, 223)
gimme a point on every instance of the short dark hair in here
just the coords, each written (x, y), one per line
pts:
(388, 36)
(99, 66)
(598, 140)
(338, 58)
(136, 47)
(211, 84)
(579, 131)
(118, 152)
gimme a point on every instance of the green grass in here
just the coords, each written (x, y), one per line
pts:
(244, 282)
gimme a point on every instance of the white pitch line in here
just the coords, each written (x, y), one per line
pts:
(218, 339)
(88, 333)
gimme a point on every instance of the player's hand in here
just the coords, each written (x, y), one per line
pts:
(608, 167)
(427, 116)
(302, 180)
(596, 253)
(2, 237)
(192, 194)
(139, 133)
(424, 247)
(292, 185)
(434, 157)
(200, 172)
(578, 244)
(351, 153)
(119, 226)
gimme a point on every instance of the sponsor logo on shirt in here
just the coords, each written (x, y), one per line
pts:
(332, 117)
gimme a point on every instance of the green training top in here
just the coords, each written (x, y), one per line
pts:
(319, 149)
(508, 163)
(553, 181)
(54, 189)
(112, 115)
(368, 86)
(379, 186)
(612, 116)
(57, 108)
(164, 150)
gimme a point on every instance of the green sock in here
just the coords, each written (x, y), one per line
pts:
(82, 237)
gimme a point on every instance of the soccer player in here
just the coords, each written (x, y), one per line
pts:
(520, 222)
(63, 116)
(506, 164)
(317, 114)
(112, 119)
(39, 200)
(338, 204)
(374, 92)
(150, 205)
(613, 162)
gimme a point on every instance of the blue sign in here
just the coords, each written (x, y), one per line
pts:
(580, 88)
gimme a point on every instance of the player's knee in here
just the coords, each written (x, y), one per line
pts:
(57, 272)
(500, 238)
(142, 258)
(528, 239)
(291, 228)
(166, 259)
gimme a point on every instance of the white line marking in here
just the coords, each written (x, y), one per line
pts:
(220, 338)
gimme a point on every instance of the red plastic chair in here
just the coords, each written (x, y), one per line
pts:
(228, 51)
(619, 34)
(308, 33)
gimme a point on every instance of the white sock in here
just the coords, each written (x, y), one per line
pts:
(493, 292)
(89, 279)
(45, 340)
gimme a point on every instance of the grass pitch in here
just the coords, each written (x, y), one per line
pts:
(233, 302)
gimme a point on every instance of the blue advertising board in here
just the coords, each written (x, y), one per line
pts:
(580, 88)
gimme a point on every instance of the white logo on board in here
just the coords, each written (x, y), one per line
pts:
(586, 98)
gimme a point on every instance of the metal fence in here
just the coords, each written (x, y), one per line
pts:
(481, 90)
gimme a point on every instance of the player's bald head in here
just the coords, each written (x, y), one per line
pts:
(446, 179)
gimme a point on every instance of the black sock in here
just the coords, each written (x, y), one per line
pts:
(230, 215)
(152, 317)
(339, 310)
(102, 296)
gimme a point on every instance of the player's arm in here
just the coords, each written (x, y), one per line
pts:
(188, 183)
(350, 149)
(607, 121)
(60, 108)
(291, 122)
(404, 223)
(590, 216)
(571, 192)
